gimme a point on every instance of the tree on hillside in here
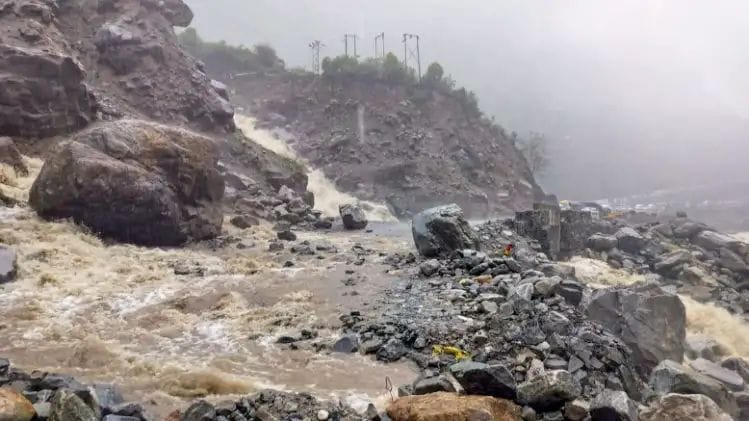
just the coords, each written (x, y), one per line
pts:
(434, 74)
(534, 148)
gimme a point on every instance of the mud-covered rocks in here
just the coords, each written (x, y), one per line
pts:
(676, 406)
(483, 379)
(10, 156)
(8, 264)
(651, 321)
(353, 217)
(442, 230)
(443, 406)
(134, 181)
(701, 346)
(175, 11)
(14, 406)
(672, 377)
(549, 390)
(42, 93)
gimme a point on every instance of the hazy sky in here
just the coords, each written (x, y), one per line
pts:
(633, 95)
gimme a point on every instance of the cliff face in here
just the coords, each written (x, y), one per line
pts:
(412, 147)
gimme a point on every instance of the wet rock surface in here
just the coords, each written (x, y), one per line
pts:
(441, 231)
(447, 406)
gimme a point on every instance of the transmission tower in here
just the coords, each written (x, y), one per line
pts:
(316, 46)
(410, 52)
(345, 43)
(379, 43)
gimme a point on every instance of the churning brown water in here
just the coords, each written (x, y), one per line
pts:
(119, 313)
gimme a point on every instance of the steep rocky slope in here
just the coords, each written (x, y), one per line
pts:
(64, 65)
(410, 146)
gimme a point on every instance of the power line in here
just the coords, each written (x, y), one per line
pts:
(410, 52)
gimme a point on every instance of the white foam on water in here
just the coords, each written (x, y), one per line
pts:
(327, 196)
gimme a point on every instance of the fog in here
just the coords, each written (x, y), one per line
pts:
(632, 95)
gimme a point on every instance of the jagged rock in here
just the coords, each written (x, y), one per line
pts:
(651, 321)
(42, 93)
(286, 235)
(444, 406)
(353, 217)
(742, 399)
(244, 221)
(701, 346)
(572, 291)
(175, 11)
(675, 406)
(426, 385)
(688, 229)
(576, 410)
(483, 379)
(8, 264)
(730, 260)
(14, 406)
(391, 351)
(429, 267)
(731, 379)
(199, 411)
(549, 390)
(442, 230)
(67, 406)
(630, 240)
(713, 241)
(134, 181)
(738, 365)
(346, 344)
(666, 264)
(10, 156)
(613, 405)
(222, 90)
(672, 377)
(601, 242)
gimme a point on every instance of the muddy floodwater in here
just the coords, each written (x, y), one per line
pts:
(169, 325)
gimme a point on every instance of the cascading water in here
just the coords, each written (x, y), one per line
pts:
(327, 196)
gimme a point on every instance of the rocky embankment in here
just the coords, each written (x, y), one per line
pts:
(409, 147)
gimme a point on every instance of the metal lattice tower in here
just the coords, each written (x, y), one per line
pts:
(316, 45)
(379, 44)
(345, 43)
(410, 52)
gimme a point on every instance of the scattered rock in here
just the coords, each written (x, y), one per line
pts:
(630, 240)
(442, 230)
(14, 406)
(286, 235)
(346, 344)
(483, 379)
(426, 385)
(613, 405)
(602, 242)
(577, 410)
(737, 365)
(67, 406)
(701, 346)
(444, 406)
(244, 221)
(731, 379)
(674, 406)
(672, 377)
(429, 267)
(199, 411)
(549, 390)
(353, 217)
(10, 156)
(714, 241)
(8, 264)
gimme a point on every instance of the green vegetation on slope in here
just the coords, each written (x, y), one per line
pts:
(221, 57)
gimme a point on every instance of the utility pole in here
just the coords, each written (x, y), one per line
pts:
(408, 51)
(380, 45)
(345, 43)
(316, 45)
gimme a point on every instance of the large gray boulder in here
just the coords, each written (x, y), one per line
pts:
(353, 217)
(8, 264)
(729, 378)
(442, 230)
(651, 321)
(613, 405)
(630, 240)
(134, 181)
(549, 390)
(672, 377)
(67, 406)
(714, 241)
(675, 406)
(669, 264)
(730, 260)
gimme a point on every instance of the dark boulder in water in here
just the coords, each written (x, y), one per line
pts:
(440, 231)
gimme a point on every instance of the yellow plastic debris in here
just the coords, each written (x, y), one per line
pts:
(456, 352)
